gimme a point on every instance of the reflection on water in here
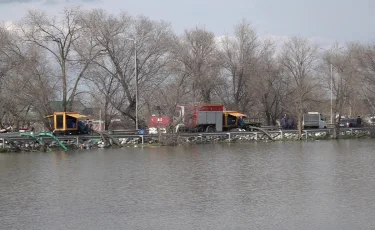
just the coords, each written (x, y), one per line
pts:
(290, 185)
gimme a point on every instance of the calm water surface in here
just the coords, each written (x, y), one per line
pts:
(291, 185)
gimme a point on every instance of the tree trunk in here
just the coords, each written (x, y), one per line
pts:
(300, 117)
(75, 88)
(336, 133)
(107, 120)
(206, 96)
(336, 130)
(299, 127)
(268, 118)
(65, 87)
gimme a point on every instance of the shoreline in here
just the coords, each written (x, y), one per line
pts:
(174, 141)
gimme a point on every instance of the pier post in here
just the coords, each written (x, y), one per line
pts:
(228, 136)
(77, 141)
(142, 139)
(3, 143)
(256, 136)
(281, 133)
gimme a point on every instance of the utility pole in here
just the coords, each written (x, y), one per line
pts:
(136, 84)
(331, 93)
(100, 121)
(136, 80)
(332, 85)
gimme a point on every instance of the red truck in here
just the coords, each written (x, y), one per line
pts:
(200, 118)
(158, 123)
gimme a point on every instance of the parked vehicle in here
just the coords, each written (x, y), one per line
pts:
(158, 123)
(197, 117)
(207, 118)
(348, 122)
(370, 120)
(314, 120)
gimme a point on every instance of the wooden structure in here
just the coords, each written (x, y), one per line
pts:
(67, 122)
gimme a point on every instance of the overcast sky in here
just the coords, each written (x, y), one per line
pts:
(323, 21)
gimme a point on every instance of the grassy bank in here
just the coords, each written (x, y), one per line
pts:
(3, 150)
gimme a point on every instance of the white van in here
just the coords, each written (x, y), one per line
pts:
(314, 120)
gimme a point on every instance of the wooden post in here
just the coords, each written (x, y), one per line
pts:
(228, 136)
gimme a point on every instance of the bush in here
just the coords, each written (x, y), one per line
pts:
(3, 150)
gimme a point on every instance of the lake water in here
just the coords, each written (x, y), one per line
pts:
(280, 185)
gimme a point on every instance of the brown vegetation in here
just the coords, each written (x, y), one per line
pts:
(89, 55)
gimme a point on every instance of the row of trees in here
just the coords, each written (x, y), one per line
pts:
(90, 54)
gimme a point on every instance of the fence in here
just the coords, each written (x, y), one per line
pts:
(255, 135)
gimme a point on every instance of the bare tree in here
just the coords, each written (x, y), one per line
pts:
(198, 56)
(269, 84)
(364, 58)
(9, 52)
(38, 85)
(299, 59)
(62, 38)
(116, 36)
(8, 61)
(103, 89)
(344, 80)
(241, 56)
(27, 84)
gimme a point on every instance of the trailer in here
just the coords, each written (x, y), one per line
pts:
(68, 123)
